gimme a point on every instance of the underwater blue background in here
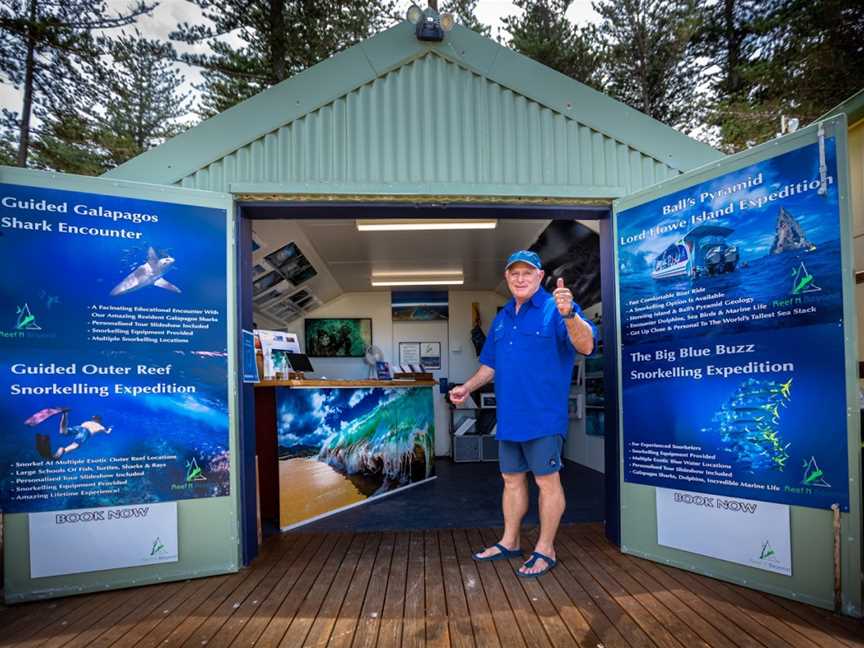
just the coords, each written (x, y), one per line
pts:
(766, 277)
(59, 276)
(811, 423)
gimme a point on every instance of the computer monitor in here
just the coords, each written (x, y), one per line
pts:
(300, 362)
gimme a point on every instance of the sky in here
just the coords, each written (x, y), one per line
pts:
(170, 13)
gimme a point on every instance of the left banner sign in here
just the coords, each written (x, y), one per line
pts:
(113, 350)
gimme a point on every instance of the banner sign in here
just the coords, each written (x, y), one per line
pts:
(113, 351)
(733, 359)
(87, 540)
(755, 534)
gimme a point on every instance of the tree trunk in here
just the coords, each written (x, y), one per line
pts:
(27, 108)
(733, 43)
(277, 40)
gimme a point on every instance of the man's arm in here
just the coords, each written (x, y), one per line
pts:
(581, 335)
(484, 375)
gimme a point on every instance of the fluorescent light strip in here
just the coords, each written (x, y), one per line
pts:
(418, 282)
(418, 273)
(420, 224)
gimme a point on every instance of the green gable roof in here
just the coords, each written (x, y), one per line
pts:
(393, 115)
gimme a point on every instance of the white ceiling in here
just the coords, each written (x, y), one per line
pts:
(346, 259)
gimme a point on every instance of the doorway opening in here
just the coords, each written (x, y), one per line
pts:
(332, 269)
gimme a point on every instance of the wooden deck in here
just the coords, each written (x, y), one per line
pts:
(423, 589)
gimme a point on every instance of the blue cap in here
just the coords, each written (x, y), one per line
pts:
(525, 256)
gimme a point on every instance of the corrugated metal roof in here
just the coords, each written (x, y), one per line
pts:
(393, 115)
(432, 121)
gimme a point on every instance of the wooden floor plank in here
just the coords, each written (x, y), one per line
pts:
(458, 617)
(727, 606)
(233, 586)
(295, 636)
(414, 627)
(532, 629)
(366, 633)
(499, 606)
(601, 626)
(140, 630)
(322, 626)
(557, 630)
(257, 591)
(661, 608)
(437, 630)
(287, 596)
(667, 585)
(390, 632)
(618, 616)
(479, 614)
(343, 630)
(422, 589)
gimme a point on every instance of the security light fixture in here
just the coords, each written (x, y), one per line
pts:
(416, 224)
(429, 25)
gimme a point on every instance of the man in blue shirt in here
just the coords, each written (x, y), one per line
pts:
(530, 352)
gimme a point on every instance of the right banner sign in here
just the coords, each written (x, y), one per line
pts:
(733, 359)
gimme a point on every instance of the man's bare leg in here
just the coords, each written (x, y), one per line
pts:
(552, 504)
(514, 503)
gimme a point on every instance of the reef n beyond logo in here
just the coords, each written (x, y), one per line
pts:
(802, 281)
(194, 474)
(157, 547)
(26, 325)
(767, 552)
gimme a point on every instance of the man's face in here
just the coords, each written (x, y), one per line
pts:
(523, 280)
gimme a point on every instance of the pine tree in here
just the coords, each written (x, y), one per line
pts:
(650, 60)
(466, 15)
(44, 45)
(145, 102)
(797, 59)
(543, 32)
(280, 38)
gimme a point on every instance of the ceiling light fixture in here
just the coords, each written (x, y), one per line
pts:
(418, 282)
(385, 225)
(405, 274)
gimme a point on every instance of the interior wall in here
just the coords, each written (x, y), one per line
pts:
(463, 358)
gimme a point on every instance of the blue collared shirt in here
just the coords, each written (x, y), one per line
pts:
(533, 359)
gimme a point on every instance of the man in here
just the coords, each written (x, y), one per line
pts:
(530, 352)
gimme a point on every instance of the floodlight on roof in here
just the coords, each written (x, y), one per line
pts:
(414, 14)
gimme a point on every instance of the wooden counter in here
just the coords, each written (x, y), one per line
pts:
(346, 383)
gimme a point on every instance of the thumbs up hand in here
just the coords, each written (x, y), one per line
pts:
(563, 298)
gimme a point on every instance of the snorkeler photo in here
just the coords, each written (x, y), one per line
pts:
(79, 433)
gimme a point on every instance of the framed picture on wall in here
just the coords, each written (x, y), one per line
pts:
(338, 337)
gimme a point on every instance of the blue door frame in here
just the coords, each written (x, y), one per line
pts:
(271, 210)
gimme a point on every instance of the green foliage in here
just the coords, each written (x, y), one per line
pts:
(144, 102)
(46, 50)
(649, 59)
(279, 39)
(782, 57)
(543, 32)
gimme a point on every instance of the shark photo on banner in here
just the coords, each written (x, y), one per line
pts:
(114, 351)
(733, 358)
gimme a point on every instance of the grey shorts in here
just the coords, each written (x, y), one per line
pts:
(541, 456)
